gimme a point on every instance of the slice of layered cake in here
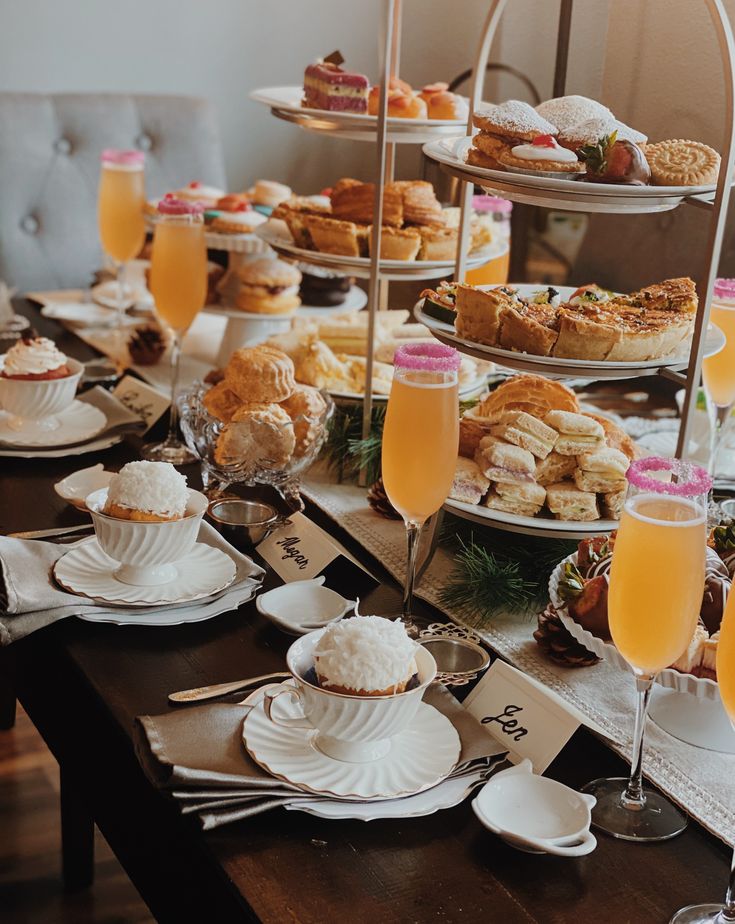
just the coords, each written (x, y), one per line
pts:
(328, 86)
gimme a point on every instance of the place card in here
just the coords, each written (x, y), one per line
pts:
(524, 715)
(302, 551)
(148, 403)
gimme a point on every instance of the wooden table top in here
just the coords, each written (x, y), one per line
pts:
(83, 685)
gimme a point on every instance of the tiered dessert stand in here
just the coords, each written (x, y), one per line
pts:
(385, 132)
(588, 197)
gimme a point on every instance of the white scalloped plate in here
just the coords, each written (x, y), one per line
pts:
(79, 422)
(420, 757)
(86, 570)
(700, 687)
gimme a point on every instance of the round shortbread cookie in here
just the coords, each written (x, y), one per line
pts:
(682, 163)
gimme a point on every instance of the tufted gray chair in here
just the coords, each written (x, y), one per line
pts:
(50, 146)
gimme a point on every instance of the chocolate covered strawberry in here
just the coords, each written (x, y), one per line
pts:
(613, 161)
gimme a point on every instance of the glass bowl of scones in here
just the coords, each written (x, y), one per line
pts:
(255, 424)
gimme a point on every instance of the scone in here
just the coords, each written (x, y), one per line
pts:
(354, 201)
(305, 407)
(567, 502)
(260, 375)
(577, 432)
(469, 483)
(396, 243)
(420, 205)
(330, 235)
(527, 432)
(257, 435)
(500, 461)
(268, 286)
(524, 500)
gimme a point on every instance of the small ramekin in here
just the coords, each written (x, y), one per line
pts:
(146, 551)
(39, 400)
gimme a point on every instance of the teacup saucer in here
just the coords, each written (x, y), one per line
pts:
(420, 757)
(80, 421)
(86, 570)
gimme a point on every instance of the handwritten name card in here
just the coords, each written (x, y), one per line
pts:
(140, 398)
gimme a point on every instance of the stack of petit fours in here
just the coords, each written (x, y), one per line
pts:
(527, 448)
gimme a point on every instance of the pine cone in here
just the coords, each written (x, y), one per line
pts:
(559, 644)
(378, 500)
(146, 346)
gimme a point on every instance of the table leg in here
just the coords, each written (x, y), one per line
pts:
(7, 692)
(77, 835)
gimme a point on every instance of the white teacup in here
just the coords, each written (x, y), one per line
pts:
(355, 729)
(39, 400)
(146, 551)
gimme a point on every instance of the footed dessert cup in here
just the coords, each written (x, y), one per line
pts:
(146, 551)
(39, 401)
(354, 729)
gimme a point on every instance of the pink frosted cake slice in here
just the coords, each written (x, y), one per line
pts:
(327, 86)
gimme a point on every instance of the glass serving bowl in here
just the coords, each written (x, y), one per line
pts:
(206, 436)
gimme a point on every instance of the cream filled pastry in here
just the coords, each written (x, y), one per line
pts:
(543, 153)
(147, 491)
(34, 359)
(365, 656)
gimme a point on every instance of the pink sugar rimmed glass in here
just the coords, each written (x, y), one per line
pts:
(724, 288)
(690, 480)
(123, 158)
(420, 442)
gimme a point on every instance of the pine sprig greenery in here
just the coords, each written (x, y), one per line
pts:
(492, 575)
(345, 450)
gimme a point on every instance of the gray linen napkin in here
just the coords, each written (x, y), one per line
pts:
(30, 599)
(197, 757)
(119, 418)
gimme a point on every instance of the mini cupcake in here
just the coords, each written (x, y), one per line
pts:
(34, 359)
(152, 492)
(365, 656)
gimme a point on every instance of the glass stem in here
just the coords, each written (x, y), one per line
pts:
(120, 350)
(719, 423)
(413, 531)
(173, 419)
(727, 915)
(634, 798)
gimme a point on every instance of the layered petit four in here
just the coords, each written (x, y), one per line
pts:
(329, 86)
(365, 656)
(34, 359)
(147, 491)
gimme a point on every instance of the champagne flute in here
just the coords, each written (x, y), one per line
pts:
(655, 595)
(420, 442)
(711, 913)
(179, 288)
(718, 371)
(120, 201)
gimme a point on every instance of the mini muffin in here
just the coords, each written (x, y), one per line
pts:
(268, 286)
(151, 492)
(260, 375)
(34, 359)
(365, 656)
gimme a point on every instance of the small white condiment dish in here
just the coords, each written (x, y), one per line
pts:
(302, 606)
(536, 814)
(39, 400)
(146, 551)
(77, 486)
(355, 729)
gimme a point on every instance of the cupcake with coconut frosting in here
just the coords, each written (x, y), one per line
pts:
(365, 656)
(147, 491)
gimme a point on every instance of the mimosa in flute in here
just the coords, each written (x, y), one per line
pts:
(711, 913)
(420, 441)
(178, 284)
(655, 596)
(120, 202)
(718, 371)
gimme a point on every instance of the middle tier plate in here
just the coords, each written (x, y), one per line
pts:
(546, 527)
(554, 367)
(390, 269)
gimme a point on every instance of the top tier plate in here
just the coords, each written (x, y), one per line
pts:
(572, 195)
(285, 103)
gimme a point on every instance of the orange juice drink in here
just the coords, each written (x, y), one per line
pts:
(120, 202)
(718, 371)
(179, 271)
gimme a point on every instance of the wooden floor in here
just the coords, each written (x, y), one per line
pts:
(31, 891)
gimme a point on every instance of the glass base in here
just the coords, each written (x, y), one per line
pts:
(103, 369)
(173, 451)
(699, 914)
(657, 820)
